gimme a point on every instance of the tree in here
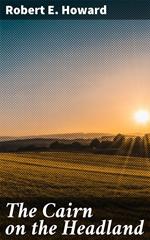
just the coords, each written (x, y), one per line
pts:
(55, 145)
(138, 147)
(118, 141)
(76, 146)
(95, 144)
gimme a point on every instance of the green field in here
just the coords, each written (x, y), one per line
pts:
(116, 187)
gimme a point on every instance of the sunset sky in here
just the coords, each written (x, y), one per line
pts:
(74, 76)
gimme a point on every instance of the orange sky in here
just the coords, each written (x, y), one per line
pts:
(90, 77)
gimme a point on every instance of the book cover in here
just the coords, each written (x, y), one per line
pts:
(75, 119)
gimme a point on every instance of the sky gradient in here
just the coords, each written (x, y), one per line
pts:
(73, 76)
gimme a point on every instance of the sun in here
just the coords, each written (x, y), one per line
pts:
(142, 116)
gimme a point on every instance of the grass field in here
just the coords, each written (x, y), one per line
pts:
(70, 174)
(91, 179)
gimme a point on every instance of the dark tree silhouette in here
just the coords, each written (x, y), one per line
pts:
(146, 143)
(118, 141)
(76, 146)
(138, 147)
(55, 145)
(95, 144)
(106, 144)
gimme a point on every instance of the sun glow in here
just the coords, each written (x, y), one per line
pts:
(142, 116)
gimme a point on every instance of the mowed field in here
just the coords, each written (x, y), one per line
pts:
(52, 174)
(116, 188)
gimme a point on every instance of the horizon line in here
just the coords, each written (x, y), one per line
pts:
(71, 133)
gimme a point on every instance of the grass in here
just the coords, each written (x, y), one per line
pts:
(115, 187)
(69, 174)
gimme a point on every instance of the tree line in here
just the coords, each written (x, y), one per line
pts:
(119, 145)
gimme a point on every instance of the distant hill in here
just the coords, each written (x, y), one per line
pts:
(58, 136)
(69, 136)
(11, 144)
